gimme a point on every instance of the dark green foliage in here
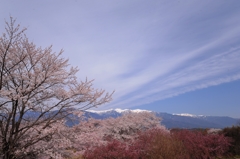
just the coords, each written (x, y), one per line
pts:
(234, 133)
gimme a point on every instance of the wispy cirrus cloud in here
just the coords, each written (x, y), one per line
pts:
(144, 50)
(218, 69)
(180, 51)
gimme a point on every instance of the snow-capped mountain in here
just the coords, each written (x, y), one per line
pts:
(118, 111)
(189, 115)
(171, 120)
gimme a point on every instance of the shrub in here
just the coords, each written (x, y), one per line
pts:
(114, 149)
(150, 144)
(234, 134)
(159, 144)
(203, 146)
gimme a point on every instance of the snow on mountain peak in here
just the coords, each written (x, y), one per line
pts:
(189, 115)
(121, 110)
(99, 111)
(185, 114)
(129, 110)
(140, 110)
(118, 110)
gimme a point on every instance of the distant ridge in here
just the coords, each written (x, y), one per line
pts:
(184, 120)
(190, 115)
(118, 110)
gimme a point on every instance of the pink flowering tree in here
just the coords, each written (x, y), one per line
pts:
(74, 141)
(201, 145)
(38, 89)
(93, 132)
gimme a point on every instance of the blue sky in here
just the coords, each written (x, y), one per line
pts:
(179, 56)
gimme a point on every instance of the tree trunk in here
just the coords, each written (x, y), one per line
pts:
(6, 152)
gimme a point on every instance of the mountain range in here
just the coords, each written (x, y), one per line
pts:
(187, 121)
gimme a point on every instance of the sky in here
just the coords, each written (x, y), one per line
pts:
(178, 56)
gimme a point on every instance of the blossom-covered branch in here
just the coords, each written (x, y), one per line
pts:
(37, 89)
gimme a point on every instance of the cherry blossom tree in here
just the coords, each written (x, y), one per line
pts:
(125, 128)
(38, 89)
(152, 143)
(88, 134)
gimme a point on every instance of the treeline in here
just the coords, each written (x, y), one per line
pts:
(176, 144)
(234, 134)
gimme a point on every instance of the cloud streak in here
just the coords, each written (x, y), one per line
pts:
(218, 69)
(144, 50)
